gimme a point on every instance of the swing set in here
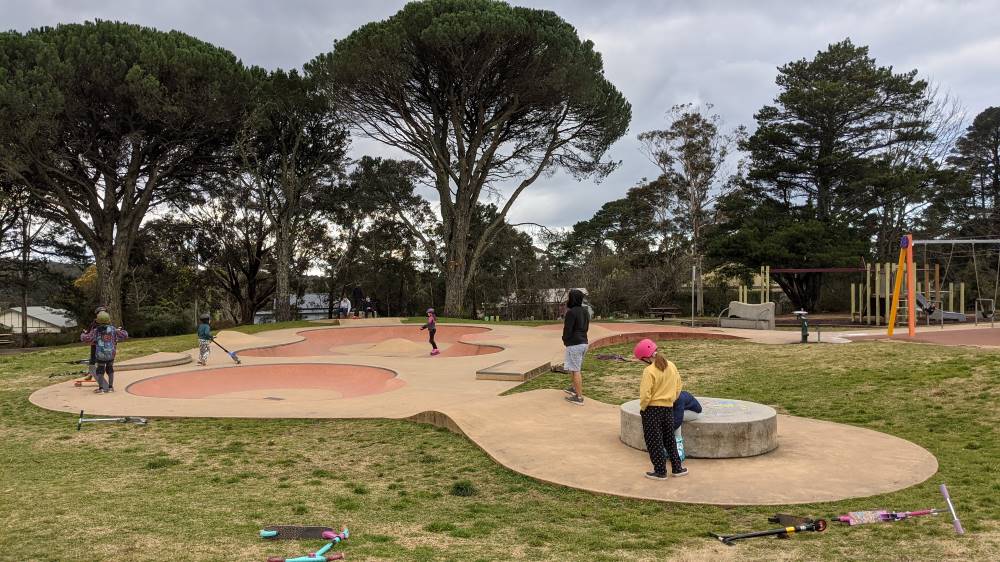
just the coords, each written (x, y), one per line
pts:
(985, 307)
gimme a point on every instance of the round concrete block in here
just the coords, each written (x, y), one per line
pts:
(724, 429)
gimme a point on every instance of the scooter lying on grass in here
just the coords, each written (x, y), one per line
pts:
(84, 376)
(125, 419)
(299, 532)
(885, 516)
(817, 525)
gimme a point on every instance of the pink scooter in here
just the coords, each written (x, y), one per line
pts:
(883, 516)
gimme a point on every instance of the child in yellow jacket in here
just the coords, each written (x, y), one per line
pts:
(661, 383)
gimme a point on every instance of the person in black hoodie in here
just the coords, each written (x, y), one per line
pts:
(575, 326)
(358, 298)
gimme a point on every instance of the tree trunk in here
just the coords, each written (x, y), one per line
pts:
(25, 262)
(246, 312)
(110, 263)
(247, 308)
(455, 287)
(700, 288)
(282, 307)
(456, 273)
(803, 289)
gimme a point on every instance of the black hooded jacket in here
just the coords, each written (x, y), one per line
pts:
(577, 320)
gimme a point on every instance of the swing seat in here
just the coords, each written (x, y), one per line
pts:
(986, 312)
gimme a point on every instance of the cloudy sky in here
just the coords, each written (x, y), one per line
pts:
(658, 53)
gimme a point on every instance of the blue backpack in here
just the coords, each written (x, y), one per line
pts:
(104, 344)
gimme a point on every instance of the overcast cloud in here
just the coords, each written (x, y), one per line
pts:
(656, 53)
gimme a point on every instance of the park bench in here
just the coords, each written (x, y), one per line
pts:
(664, 312)
(6, 339)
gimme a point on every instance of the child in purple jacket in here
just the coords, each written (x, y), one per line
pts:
(104, 338)
(431, 327)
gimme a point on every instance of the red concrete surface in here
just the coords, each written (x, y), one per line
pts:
(326, 341)
(980, 337)
(348, 380)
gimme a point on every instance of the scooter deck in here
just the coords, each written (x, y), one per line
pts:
(294, 532)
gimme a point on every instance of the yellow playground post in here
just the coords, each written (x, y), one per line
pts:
(904, 267)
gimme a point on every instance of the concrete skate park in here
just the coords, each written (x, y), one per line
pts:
(740, 453)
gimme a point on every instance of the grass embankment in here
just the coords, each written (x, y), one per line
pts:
(199, 489)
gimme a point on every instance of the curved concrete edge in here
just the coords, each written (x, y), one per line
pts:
(586, 460)
(160, 361)
(545, 439)
(629, 337)
(442, 420)
(395, 373)
(297, 337)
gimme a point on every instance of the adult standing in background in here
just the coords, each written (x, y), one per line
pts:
(358, 298)
(576, 323)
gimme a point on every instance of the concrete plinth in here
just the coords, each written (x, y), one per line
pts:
(724, 429)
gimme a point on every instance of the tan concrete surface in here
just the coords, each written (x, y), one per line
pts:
(154, 361)
(538, 433)
(541, 435)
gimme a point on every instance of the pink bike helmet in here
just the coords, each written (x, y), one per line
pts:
(645, 349)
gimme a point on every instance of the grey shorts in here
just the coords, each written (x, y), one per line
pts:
(574, 357)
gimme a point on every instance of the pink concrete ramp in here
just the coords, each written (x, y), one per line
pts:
(978, 337)
(298, 381)
(381, 341)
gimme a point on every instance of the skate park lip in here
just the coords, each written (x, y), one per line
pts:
(298, 381)
(380, 341)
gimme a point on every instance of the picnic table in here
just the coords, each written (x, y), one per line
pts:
(664, 312)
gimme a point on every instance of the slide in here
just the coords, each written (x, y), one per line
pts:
(935, 314)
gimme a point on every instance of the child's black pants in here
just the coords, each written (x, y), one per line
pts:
(658, 431)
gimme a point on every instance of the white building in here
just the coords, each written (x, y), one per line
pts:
(41, 320)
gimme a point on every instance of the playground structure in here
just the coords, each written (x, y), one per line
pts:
(985, 308)
(937, 298)
(871, 299)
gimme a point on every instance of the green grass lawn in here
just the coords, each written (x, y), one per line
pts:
(199, 489)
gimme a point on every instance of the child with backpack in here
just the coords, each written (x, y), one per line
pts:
(92, 362)
(660, 386)
(431, 326)
(204, 339)
(104, 338)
